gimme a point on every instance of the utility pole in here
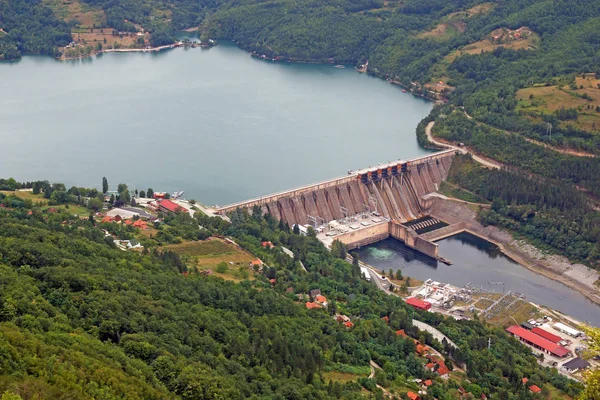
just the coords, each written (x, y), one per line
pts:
(549, 130)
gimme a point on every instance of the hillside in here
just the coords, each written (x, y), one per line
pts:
(82, 319)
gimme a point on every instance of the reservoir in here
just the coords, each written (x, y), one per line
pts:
(480, 262)
(216, 123)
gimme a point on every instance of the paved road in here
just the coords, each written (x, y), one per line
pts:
(436, 334)
(463, 150)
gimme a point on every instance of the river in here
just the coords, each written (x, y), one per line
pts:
(480, 262)
(216, 123)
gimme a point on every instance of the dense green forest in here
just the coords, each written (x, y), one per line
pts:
(81, 319)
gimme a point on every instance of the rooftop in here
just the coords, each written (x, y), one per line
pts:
(537, 340)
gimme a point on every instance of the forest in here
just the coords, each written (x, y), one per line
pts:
(82, 319)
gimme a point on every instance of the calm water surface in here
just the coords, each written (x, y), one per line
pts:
(218, 124)
(480, 262)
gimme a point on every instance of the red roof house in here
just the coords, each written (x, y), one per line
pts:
(386, 319)
(401, 332)
(412, 396)
(524, 381)
(443, 371)
(428, 382)
(348, 324)
(534, 389)
(537, 341)
(418, 304)
(320, 299)
(546, 335)
(267, 244)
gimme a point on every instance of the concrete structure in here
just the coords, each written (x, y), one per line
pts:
(396, 190)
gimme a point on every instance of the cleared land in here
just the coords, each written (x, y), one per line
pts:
(583, 96)
(73, 10)
(26, 195)
(205, 255)
(455, 23)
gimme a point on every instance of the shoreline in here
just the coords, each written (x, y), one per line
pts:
(518, 251)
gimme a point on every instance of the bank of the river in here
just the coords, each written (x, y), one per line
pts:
(576, 276)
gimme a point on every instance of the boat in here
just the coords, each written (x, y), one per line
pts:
(339, 66)
(403, 90)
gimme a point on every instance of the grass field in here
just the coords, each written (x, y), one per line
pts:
(69, 10)
(35, 198)
(451, 190)
(455, 23)
(207, 254)
(342, 377)
(548, 99)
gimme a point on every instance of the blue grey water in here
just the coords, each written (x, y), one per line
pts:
(216, 123)
(480, 262)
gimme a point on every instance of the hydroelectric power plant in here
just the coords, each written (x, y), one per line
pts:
(367, 205)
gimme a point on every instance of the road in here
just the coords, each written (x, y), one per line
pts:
(463, 150)
(436, 334)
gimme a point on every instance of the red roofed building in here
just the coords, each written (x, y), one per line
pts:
(401, 333)
(348, 324)
(169, 206)
(524, 381)
(428, 382)
(267, 245)
(412, 396)
(320, 298)
(537, 341)
(386, 319)
(534, 389)
(443, 372)
(418, 304)
(546, 335)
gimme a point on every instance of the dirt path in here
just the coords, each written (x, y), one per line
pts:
(463, 150)
(577, 153)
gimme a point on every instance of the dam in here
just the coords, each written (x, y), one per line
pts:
(367, 205)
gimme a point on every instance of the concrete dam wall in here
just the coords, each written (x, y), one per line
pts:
(394, 190)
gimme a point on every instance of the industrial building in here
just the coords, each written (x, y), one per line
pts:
(559, 326)
(546, 335)
(538, 341)
(418, 304)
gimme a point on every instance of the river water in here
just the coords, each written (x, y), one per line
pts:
(216, 123)
(479, 262)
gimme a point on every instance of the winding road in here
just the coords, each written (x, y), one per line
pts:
(463, 150)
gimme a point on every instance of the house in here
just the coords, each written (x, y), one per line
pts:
(524, 381)
(483, 396)
(267, 245)
(401, 332)
(386, 319)
(421, 350)
(107, 219)
(311, 306)
(322, 300)
(168, 206)
(559, 326)
(273, 281)
(575, 365)
(428, 383)
(342, 318)
(289, 290)
(430, 366)
(412, 396)
(134, 244)
(348, 324)
(143, 225)
(462, 391)
(256, 263)
(443, 372)
(314, 293)
(534, 389)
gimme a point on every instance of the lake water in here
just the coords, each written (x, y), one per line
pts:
(480, 262)
(216, 123)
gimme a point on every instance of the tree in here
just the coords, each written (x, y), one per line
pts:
(142, 194)
(150, 193)
(399, 274)
(391, 273)
(592, 376)
(121, 188)
(104, 185)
